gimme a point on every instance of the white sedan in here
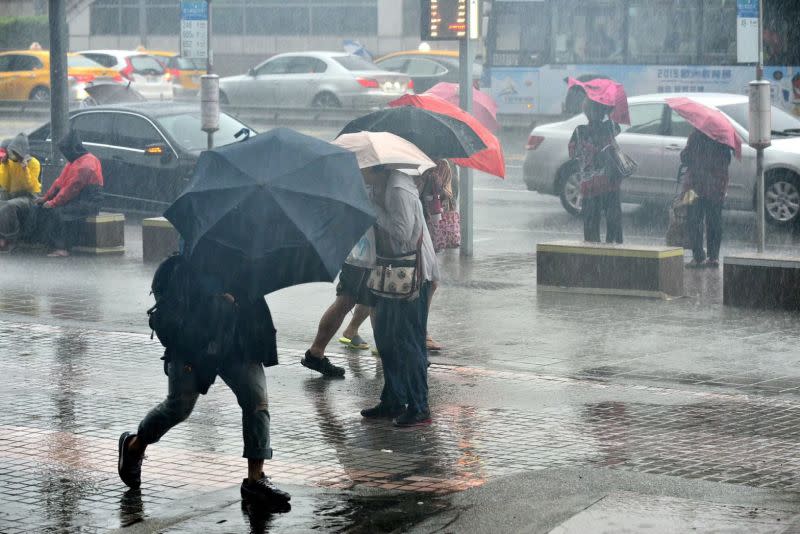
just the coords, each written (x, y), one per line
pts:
(316, 79)
(655, 139)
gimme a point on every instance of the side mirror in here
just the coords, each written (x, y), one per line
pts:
(251, 72)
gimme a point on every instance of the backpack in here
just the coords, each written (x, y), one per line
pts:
(184, 318)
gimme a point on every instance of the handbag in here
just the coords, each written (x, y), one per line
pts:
(396, 277)
(616, 163)
(677, 232)
(448, 231)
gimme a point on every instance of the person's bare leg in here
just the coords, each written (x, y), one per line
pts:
(329, 324)
(136, 446)
(254, 469)
(429, 342)
(360, 314)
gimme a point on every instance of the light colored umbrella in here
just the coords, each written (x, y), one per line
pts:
(710, 121)
(383, 148)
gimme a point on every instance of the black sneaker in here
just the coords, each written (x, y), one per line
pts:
(409, 418)
(382, 411)
(264, 493)
(322, 365)
(129, 466)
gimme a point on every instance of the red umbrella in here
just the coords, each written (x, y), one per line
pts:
(606, 92)
(708, 120)
(488, 160)
(483, 106)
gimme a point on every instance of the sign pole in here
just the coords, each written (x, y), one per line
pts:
(59, 97)
(760, 233)
(466, 52)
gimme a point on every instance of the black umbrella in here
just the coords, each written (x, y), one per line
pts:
(279, 209)
(113, 93)
(439, 136)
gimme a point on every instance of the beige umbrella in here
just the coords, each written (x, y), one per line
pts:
(382, 148)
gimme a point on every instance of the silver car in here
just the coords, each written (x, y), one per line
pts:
(317, 79)
(655, 139)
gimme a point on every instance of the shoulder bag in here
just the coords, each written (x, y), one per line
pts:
(397, 277)
(617, 164)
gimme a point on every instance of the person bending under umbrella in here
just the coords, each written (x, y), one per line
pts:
(706, 164)
(400, 325)
(600, 193)
(224, 331)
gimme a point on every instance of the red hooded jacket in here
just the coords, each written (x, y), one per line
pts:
(84, 171)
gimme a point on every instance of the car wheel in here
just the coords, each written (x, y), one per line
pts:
(223, 99)
(569, 191)
(326, 100)
(782, 199)
(40, 94)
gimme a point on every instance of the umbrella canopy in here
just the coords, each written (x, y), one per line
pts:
(490, 159)
(484, 107)
(382, 148)
(279, 209)
(708, 120)
(113, 93)
(606, 92)
(439, 136)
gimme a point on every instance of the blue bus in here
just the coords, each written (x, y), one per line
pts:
(650, 46)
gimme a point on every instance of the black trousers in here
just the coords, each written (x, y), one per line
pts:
(593, 209)
(705, 210)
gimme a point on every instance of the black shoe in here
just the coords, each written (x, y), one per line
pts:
(382, 411)
(322, 365)
(409, 418)
(264, 493)
(129, 466)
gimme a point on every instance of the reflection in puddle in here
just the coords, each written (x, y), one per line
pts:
(19, 302)
(76, 304)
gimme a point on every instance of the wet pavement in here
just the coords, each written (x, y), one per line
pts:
(532, 390)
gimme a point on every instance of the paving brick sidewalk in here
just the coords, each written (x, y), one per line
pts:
(68, 393)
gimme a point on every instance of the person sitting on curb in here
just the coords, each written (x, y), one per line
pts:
(19, 180)
(75, 195)
(209, 329)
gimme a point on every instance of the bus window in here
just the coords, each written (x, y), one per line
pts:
(519, 34)
(662, 32)
(718, 33)
(589, 31)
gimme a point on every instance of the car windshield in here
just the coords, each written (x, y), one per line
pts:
(146, 64)
(355, 63)
(188, 64)
(185, 129)
(781, 121)
(82, 61)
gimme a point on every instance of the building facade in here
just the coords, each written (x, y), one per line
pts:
(245, 32)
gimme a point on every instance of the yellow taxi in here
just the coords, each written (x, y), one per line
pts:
(426, 67)
(25, 75)
(184, 73)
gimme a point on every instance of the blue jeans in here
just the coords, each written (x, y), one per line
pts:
(247, 381)
(400, 331)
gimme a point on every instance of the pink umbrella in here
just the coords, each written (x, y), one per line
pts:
(708, 120)
(606, 92)
(484, 107)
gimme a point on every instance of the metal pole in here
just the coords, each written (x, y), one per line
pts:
(465, 54)
(142, 23)
(209, 59)
(760, 232)
(59, 98)
(209, 68)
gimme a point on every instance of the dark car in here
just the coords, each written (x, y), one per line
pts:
(148, 150)
(427, 68)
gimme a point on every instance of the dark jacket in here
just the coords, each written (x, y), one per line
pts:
(707, 163)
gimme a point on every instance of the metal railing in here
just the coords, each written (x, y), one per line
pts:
(330, 117)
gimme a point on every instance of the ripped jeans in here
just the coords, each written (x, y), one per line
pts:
(247, 381)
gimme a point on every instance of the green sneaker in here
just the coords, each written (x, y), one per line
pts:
(357, 343)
